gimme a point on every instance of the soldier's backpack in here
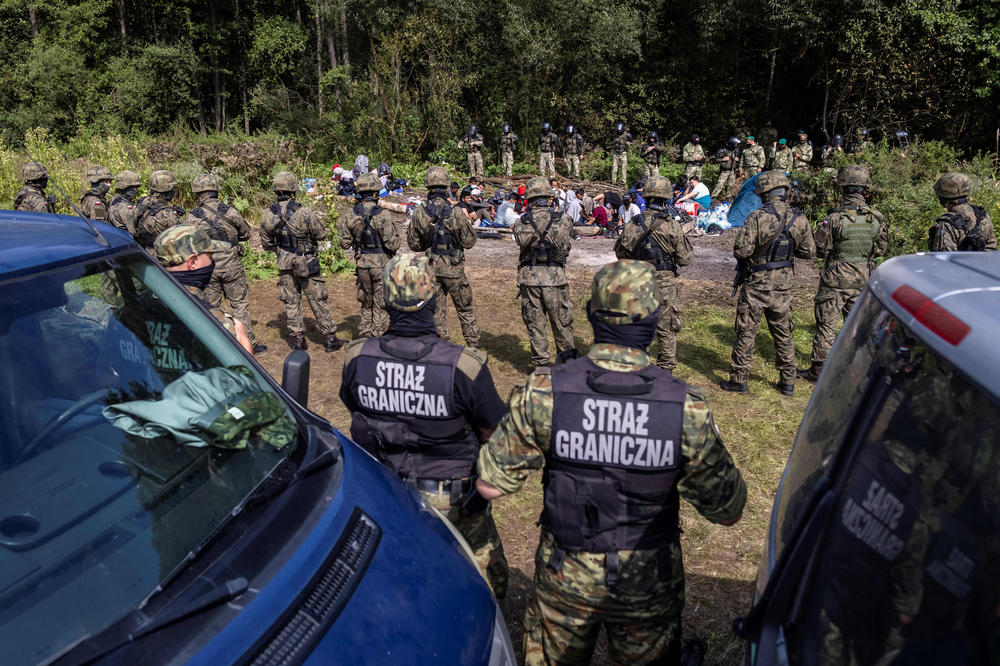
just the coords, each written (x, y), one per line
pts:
(371, 240)
(443, 242)
(647, 249)
(973, 240)
(780, 253)
(543, 252)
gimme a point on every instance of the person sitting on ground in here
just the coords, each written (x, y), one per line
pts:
(627, 211)
(697, 191)
(587, 204)
(343, 181)
(680, 187)
(485, 212)
(558, 196)
(454, 198)
(636, 192)
(507, 212)
(614, 202)
(473, 182)
(573, 207)
(601, 218)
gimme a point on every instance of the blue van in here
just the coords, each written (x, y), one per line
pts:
(133, 531)
(884, 541)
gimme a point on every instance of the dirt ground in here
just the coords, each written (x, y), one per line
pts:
(720, 565)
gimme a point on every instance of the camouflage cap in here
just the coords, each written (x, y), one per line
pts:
(658, 187)
(624, 292)
(175, 245)
(854, 174)
(33, 171)
(770, 180)
(205, 182)
(539, 186)
(408, 281)
(96, 174)
(127, 179)
(953, 186)
(436, 177)
(162, 181)
(368, 182)
(285, 181)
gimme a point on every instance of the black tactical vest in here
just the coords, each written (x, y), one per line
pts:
(611, 469)
(143, 234)
(407, 418)
(443, 241)
(781, 252)
(371, 240)
(973, 239)
(542, 252)
(283, 236)
(647, 249)
(216, 230)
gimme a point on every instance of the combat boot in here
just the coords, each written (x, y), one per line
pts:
(786, 389)
(733, 387)
(299, 341)
(333, 343)
(259, 349)
(811, 374)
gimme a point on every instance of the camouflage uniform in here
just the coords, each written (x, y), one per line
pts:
(32, 196)
(619, 156)
(544, 289)
(298, 271)
(123, 210)
(508, 142)
(753, 158)
(641, 611)
(94, 202)
(408, 279)
(783, 158)
(727, 173)
(547, 145)
(650, 154)
(768, 292)
(473, 144)
(224, 223)
(663, 230)
(449, 269)
(768, 138)
(572, 149)
(156, 213)
(802, 155)
(375, 237)
(963, 227)
(694, 157)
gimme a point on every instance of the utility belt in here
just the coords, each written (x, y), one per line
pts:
(549, 263)
(771, 265)
(613, 565)
(695, 163)
(460, 492)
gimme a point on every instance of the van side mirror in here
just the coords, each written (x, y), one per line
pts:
(295, 376)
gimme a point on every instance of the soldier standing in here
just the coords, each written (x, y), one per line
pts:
(94, 202)
(829, 152)
(473, 144)
(768, 141)
(863, 146)
(544, 235)
(783, 157)
(32, 196)
(656, 238)
(375, 238)
(123, 211)
(508, 142)
(293, 232)
(802, 152)
(753, 157)
(547, 144)
(694, 157)
(619, 153)
(849, 240)
(963, 227)
(156, 213)
(224, 223)
(443, 231)
(650, 154)
(572, 151)
(727, 159)
(434, 452)
(609, 549)
(766, 249)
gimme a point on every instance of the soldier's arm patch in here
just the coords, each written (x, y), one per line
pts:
(472, 361)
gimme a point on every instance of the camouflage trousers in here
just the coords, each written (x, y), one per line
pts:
(290, 290)
(374, 317)
(573, 166)
(726, 180)
(480, 531)
(641, 613)
(476, 163)
(507, 157)
(692, 171)
(461, 295)
(649, 169)
(547, 304)
(619, 162)
(830, 305)
(547, 164)
(776, 307)
(670, 322)
(230, 281)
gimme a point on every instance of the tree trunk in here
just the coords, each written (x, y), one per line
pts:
(121, 24)
(343, 34)
(216, 82)
(34, 21)
(770, 81)
(331, 47)
(319, 63)
(298, 14)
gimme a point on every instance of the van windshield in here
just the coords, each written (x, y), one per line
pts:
(910, 563)
(130, 426)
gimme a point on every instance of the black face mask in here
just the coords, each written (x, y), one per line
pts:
(638, 335)
(198, 278)
(413, 324)
(168, 196)
(101, 188)
(129, 193)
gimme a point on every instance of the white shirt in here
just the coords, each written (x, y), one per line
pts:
(700, 190)
(627, 215)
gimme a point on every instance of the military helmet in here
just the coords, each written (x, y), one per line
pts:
(953, 186)
(799, 132)
(570, 129)
(863, 132)
(472, 130)
(624, 292)
(162, 181)
(408, 282)
(546, 127)
(33, 171)
(368, 182)
(505, 128)
(855, 174)
(653, 136)
(658, 187)
(619, 126)
(695, 138)
(96, 174)
(127, 179)
(733, 141)
(175, 245)
(436, 177)
(285, 181)
(838, 140)
(205, 182)
(770, 180)
(538, 186)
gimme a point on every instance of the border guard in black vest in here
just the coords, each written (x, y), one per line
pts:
(423, 406)
(375, 237)
(619, 441)
(656, 237)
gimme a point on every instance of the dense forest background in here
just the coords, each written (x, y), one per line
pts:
(405, 78)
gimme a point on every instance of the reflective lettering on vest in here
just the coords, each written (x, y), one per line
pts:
(398, 388)
(954, 557)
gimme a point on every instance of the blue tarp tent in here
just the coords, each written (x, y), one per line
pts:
(745, 203)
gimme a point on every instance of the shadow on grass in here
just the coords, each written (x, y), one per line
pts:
(712, 604)
(507, 347)
(351, 325)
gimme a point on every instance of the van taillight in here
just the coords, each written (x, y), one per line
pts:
(930, 314)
